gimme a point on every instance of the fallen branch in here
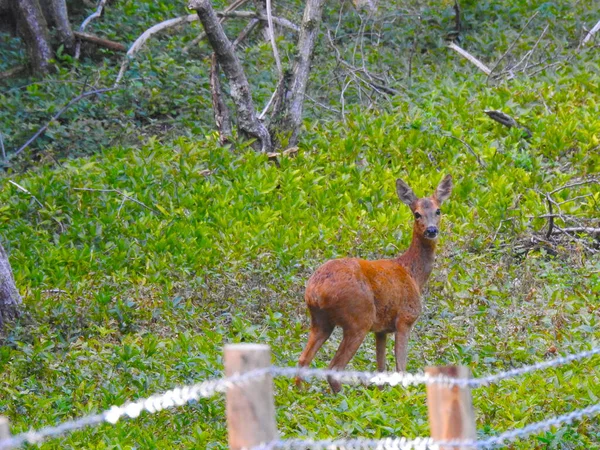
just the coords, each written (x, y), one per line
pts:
(140, 41)
(71, 102)
(85, 23)
(481, 66)
(112, 45)
(591, 33)
(507, 121)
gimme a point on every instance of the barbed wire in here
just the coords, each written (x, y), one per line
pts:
(174, 397)
(185, 394)
(408, 379)
(423, 443)
(494, 378)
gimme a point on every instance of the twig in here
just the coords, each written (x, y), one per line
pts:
(117, 191)
(530, 52)
(506, 120)
(85, 23)
(316, 102)
(268, 105)
(591, 33)
(575, 183)
(3, 149)
(21, 188)
(589, 230)
(140, 41)
(245, 32)
(39, 132)
(112, 45)
(481, 66)
(550, 217)
(54, 291)
(511, 46)
(282, 22)
(272, 38)
(479, 160)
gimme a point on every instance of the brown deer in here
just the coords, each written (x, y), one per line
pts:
(381, 296)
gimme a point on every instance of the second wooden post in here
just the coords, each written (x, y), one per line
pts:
(250, 405)
(451, 415)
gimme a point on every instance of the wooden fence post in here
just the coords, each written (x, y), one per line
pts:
(4, 428)
(250, 406)
(451, 415)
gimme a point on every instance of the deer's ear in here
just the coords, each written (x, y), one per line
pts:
(444, 189)
(405, 193)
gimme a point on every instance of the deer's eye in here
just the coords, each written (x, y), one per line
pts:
(438, 212)
(417, 215)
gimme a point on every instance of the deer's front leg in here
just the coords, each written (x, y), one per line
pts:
(401, 345)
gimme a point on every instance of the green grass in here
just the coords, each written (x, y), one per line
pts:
(126, 299)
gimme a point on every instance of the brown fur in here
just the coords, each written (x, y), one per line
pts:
(382, 296)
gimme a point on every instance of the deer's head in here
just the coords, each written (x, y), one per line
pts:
(426, 210)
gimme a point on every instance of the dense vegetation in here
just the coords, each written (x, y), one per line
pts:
(126, 298)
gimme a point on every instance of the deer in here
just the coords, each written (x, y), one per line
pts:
(381, 296)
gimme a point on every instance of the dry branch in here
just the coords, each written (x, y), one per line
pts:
(140, 41)
(272, 38)
(86, 22)
(112, 45)
(507, 121)
(282, 22)
(481, 66)
(292, 109)
(71, 102)
(591, 33)
(511, 46)
(248, 122)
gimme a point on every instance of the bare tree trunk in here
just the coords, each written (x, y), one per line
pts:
(10, 299)
(220, 109)
(293, 102)
(34, 30)
(247, 120)
(57, 17)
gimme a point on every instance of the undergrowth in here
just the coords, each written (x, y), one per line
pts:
(139, 261)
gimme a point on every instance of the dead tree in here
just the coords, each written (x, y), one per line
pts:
(288, 99)
(10, 299)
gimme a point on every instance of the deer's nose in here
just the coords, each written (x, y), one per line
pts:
(431, 232)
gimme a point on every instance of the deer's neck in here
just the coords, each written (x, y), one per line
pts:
(419, 258)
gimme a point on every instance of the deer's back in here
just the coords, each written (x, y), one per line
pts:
(371, 294)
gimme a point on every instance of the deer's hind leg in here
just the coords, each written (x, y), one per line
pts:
(320, 330)
(348, 347)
